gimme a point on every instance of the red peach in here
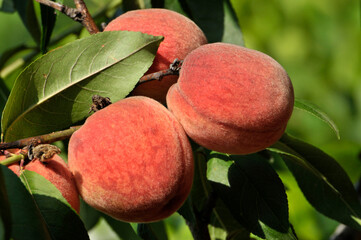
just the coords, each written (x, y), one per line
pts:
(232, 99)
(181, 36)
(57, 172)
(132, 160)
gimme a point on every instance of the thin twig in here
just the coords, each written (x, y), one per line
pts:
(10, 68)
(42, 139)
(156, 76)
(79, 14)
(55, 5)
(88, 21)
(173, 70)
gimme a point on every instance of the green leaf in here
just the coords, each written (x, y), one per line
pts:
(158, 3)
(210, 19)
(7, 6)
(48, 19)
(218, 20)
(253, 192)
(201, 189)
(315, 111)
(200, 192)
(89, 215)
(322, 180)
(122, 229)
(26, 11)
(152, 231)
(27, 222)
(224, 226)
(62, 221)
(232, 31)
(129, 5)
(187, 211)
(5, 214)
(8, 53)
(55, 91)
(174, 5)
(4, 93)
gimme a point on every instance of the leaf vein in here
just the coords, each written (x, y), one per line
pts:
(30, 108)
(46, 78)
(75, 63)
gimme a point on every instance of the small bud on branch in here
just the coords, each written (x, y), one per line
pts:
(99, 102)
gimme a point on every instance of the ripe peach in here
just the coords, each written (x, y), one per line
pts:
(57, 172)
(181, 36)
(132, 160)
(232, 99)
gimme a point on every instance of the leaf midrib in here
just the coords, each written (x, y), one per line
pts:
(30, 108)
(316, 173)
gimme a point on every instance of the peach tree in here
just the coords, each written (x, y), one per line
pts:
(208, 150)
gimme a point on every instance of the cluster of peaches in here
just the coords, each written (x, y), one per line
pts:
(133, 160)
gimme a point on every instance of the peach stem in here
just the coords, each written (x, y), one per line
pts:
(13, 159)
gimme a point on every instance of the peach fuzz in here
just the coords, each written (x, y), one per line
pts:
(181, 36)
(132, 160)
(232, 99)
(56, 171)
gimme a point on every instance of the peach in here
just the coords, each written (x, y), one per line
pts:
(57, 172)
(181, 36)
(232, 99)
(132, 160)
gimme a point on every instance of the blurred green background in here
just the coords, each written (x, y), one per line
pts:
(318, 43)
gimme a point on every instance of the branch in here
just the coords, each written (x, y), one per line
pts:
(174, 69)
(42, 139)
(79, 14)
(87, 20)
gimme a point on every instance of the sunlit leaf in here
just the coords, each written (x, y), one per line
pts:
(232, 31)
(61, 219)
(322, 180)
(55, 91)
(317, 112)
